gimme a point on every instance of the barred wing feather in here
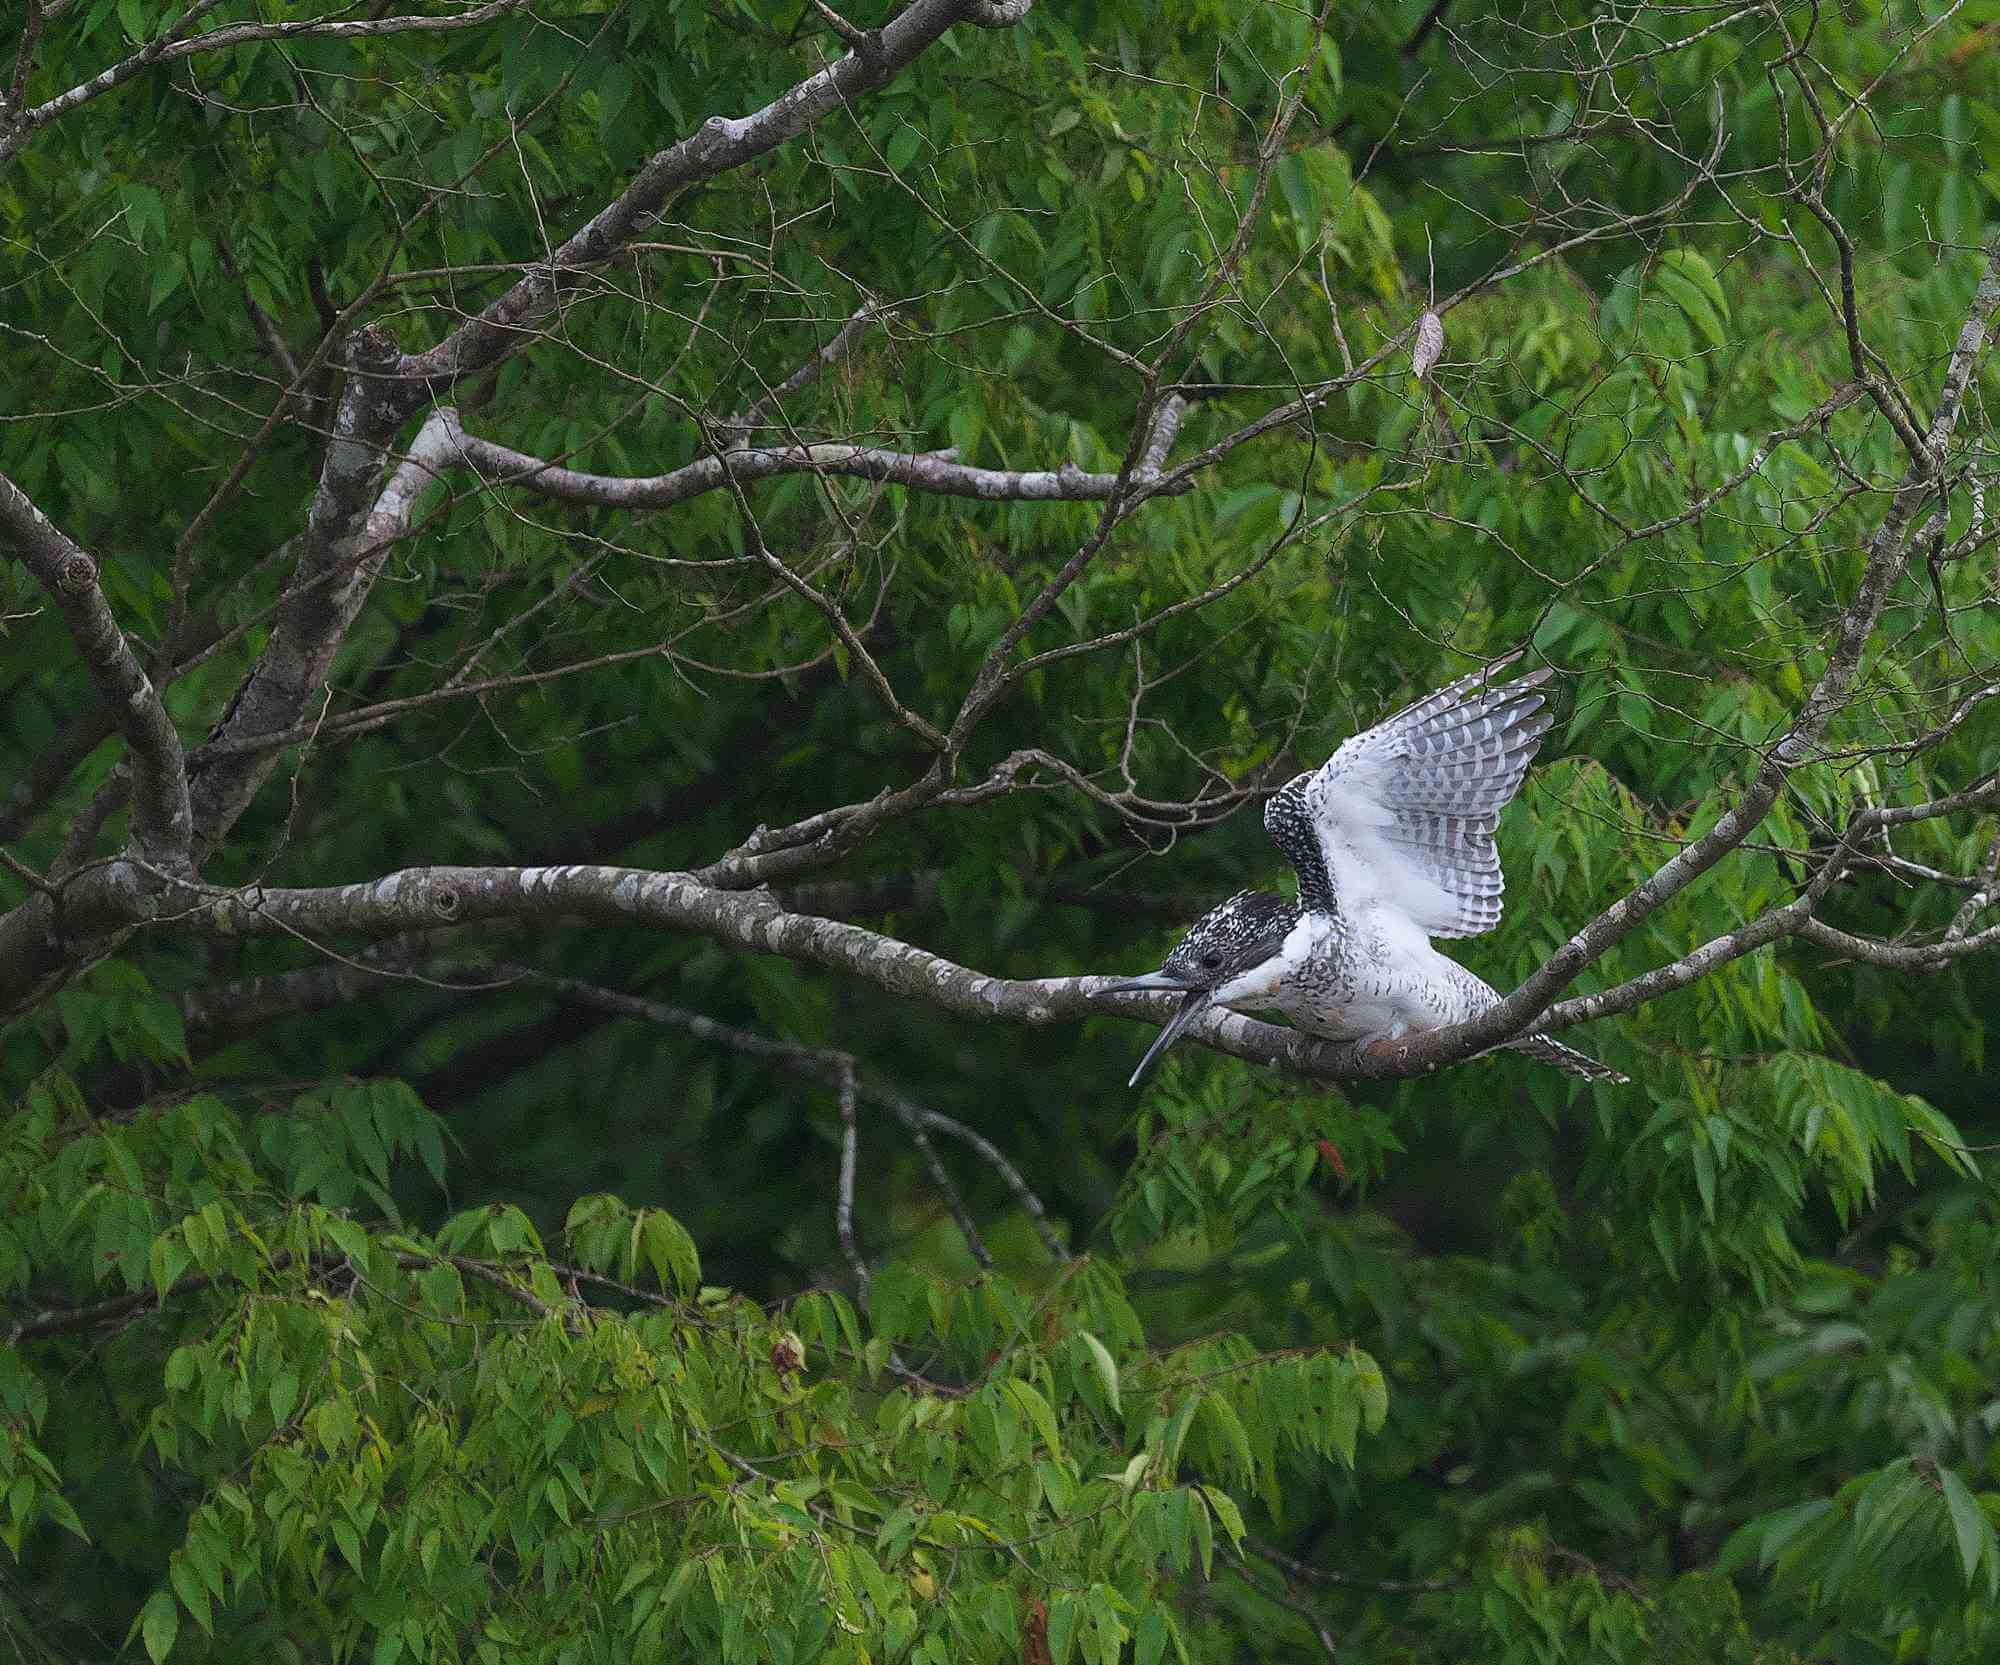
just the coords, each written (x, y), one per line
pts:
(1403, 815)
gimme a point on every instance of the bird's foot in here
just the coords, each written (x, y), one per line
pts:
(1383, 1043)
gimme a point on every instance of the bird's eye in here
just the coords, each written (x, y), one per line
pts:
(1212, 958)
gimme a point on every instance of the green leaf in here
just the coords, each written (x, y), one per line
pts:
(1968, 1523)
(899, 1301)
(670, 1252)
(159, 1624)
(1693, 268)
(189, 1587)
(170, 1258)
(1133, 1472)
(443, 1288)
(1065, 1612)
(1343, 1420)
(1227, 1429)
(57, 1508)
(1039, 1412)
(1102, 1362)
(1373, 1388)
(351, 1239)
(1693, 301)
(284, 1395)
(1781, 1528)
(902, 148)
(350, 1543)
(614, 90)
(1225, 1511)
(508, 1230)
(1704, 1172)
(1620, 307)
(180, 1371)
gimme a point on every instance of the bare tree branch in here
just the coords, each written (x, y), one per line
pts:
(162, 822)
(1023, 1194)
(921, 471)
(850, 1144)
(764, 413)
(430, 898)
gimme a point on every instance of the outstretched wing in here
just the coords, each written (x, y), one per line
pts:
(1403, 815)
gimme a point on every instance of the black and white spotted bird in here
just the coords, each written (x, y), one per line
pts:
(1392, 840)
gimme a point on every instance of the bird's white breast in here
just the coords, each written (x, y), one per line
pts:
(1373, 974)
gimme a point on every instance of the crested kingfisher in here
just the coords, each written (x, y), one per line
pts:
(1392, 841)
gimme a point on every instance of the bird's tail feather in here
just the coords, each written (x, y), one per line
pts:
(1545, 1049)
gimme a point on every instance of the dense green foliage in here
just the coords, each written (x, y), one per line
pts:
(463, 1314)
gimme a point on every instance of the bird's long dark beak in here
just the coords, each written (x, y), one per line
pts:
(1196, 1002)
